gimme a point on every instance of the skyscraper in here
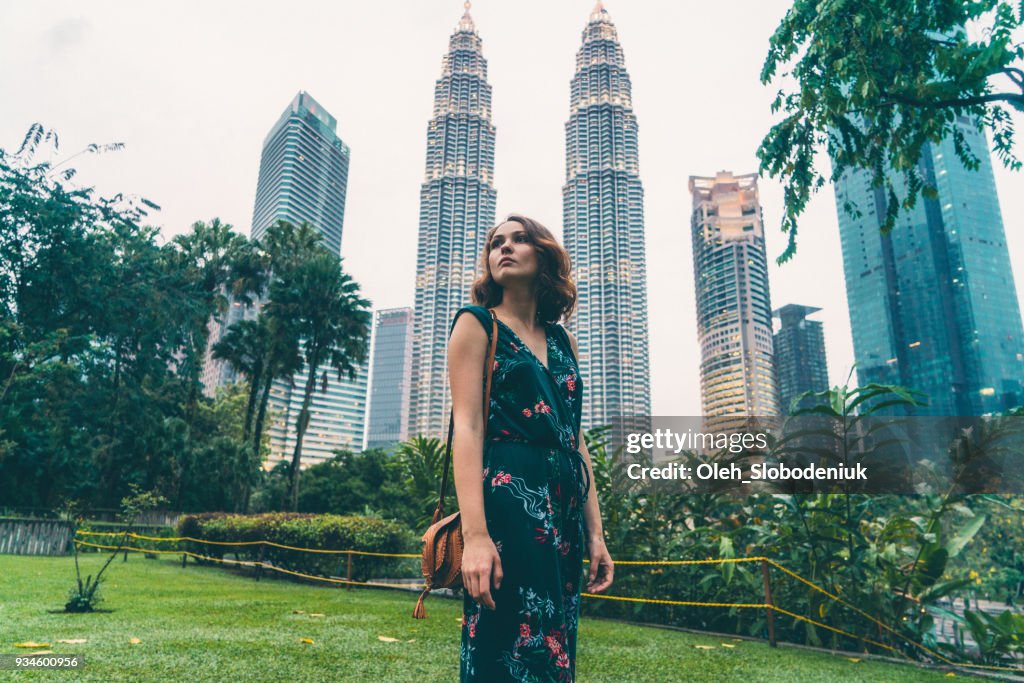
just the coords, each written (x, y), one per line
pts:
(603, 220)
(932, 304)
(303, 178)
(217, 372)
(799, 348)
(388, 421)
(734, 312)
(337, 417)
(303, 172)
(457, 204)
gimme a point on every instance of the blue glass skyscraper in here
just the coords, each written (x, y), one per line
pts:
(303, 172)
(932, 304)
(388, 421)
(303, 178)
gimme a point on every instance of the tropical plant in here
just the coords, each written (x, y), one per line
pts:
(85, 595)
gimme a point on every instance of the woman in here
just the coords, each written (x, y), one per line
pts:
(526, 530)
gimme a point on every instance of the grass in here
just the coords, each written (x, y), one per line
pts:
(207, 624)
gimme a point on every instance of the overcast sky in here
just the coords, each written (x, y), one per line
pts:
(192, 88)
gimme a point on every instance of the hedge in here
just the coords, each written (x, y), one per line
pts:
(299, 530)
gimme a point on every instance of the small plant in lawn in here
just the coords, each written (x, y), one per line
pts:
(84, 596)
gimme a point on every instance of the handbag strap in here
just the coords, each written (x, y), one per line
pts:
(488, 372)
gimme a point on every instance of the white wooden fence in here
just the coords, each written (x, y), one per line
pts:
(34, 536)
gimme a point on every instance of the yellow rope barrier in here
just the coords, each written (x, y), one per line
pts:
(881, 624)
(835, 630)
(245, 543)
(656, 601)
(685, 603)
(724, 560)
(246, 563)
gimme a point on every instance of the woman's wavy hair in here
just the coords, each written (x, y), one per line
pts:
(556, 291)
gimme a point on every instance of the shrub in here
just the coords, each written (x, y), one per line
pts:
(313, 532)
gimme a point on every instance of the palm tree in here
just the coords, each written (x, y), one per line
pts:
(317, 300)
(422, 459)
(213, 258)
(244, 347)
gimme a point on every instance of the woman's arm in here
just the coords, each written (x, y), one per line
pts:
(467, 352)
(600, 560)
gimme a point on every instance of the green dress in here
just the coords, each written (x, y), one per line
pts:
(535, 485)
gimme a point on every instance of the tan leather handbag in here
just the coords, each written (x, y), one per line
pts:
(442, 542)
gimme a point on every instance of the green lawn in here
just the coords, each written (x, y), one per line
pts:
(206, 624)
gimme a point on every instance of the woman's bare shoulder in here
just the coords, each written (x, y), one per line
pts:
(468, 330)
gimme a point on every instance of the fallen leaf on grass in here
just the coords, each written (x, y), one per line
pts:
(308, 641)
(854, 659)
(387, 639)
(41, 652)
(297, 611)
(134, 641)
(317, 615)
(728, 645)
(705, 647)
(950, 675)
(411, 641)
(72, 641)
(30, 643)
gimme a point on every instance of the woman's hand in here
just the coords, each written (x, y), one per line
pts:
(480, 561)
(602, 569)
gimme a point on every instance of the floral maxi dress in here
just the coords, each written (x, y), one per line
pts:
(535, 484)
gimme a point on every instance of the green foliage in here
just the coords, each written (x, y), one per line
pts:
(995, 562)
(422, 462)
(996, 636)
(102, 331)
(892, 561)
(318, 532)
(876, 82)
(400, 485)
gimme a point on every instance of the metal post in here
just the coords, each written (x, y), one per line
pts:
(259, 567)
(184, 559)
(768, 601)
(348, 572)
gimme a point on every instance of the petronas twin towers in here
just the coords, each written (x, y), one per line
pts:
(603, 223)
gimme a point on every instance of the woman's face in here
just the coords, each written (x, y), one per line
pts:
(511, 255)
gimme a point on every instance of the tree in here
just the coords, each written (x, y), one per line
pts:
(268, 349)
(100, 331)
(211, 257)
(877, 81)
(323, 306)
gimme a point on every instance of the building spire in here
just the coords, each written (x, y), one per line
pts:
(599, 13)
(466, 22)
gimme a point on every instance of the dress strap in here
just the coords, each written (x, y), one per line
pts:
(479, 312)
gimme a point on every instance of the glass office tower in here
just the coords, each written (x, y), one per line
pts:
(933, 305)
(799, 349)
(388, 421)
(303, 178)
